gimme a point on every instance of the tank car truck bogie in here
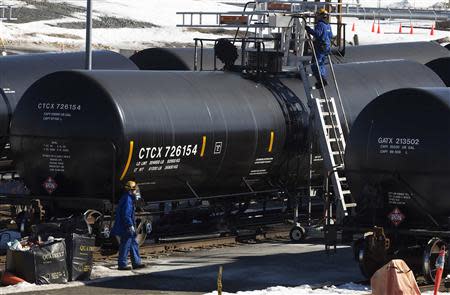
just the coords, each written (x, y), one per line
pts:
(297, 233)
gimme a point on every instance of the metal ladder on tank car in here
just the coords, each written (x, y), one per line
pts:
(329, 130)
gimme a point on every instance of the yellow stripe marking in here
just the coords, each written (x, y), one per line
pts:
(130, 155)
(202, 152)
(272, 135)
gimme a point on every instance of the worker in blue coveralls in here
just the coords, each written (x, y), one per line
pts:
(125, 228)
(322, 44)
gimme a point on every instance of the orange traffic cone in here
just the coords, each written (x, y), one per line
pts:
(373, 27)
(353, 27)
(400, 28)
(432, 30)
(379, 28)
(411, 30)
(440, 261)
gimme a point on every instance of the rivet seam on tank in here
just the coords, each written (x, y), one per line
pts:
(202, 152)
(272, 137)
(127, 165)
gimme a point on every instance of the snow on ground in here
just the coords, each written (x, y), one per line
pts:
(389, 31)
(99, 274)
(350, 288)
(347, 289)
(162, 14)
(102, 273)
(419, 4)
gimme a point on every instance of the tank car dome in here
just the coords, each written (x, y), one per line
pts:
(164, 59)
(441, 67)
(398, 155)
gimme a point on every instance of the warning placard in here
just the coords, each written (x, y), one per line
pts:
(396, 216)
(50, 185)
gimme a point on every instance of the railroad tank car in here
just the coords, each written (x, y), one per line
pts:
(183, 58)
(441, 66)
(421, 51)
(395, 161)
(18, 72)
(397, 164)
(179, 134)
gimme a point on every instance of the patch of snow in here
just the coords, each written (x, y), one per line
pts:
(419, 4)
(99, 274)
(404, 4)
(102, 272)
(346, 289)
(350, 288)
(27, 287)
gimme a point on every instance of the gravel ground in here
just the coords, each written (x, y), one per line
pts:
(38, 11)
(44, 11)
(107, 22)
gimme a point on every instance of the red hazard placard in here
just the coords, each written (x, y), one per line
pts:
(396, 217)
(50, 185)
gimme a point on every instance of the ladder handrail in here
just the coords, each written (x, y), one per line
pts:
(327, 101)
(326, 117)
(339, 95)
(251, 18)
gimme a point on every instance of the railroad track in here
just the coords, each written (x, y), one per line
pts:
(152, 249)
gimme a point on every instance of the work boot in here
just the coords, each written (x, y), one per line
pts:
(124, 268)
(138, 266)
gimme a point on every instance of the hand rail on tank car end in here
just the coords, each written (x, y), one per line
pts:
(259, 47)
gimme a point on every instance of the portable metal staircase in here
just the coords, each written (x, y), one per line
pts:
(281, 24)
(329, 131)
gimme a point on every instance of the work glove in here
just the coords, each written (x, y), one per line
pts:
(132, 231)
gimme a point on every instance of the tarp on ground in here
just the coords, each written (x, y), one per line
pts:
(394, 278)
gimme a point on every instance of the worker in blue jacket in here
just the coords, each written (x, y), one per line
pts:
(125, 228)
(322, 44)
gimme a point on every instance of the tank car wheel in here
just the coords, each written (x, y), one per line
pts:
(430, 254)
(368, 262)
(142, 231)
(297, 234)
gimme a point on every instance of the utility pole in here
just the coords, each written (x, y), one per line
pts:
(339, 25)
(88, 53)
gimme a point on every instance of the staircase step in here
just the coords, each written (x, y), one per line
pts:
(346, 192)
